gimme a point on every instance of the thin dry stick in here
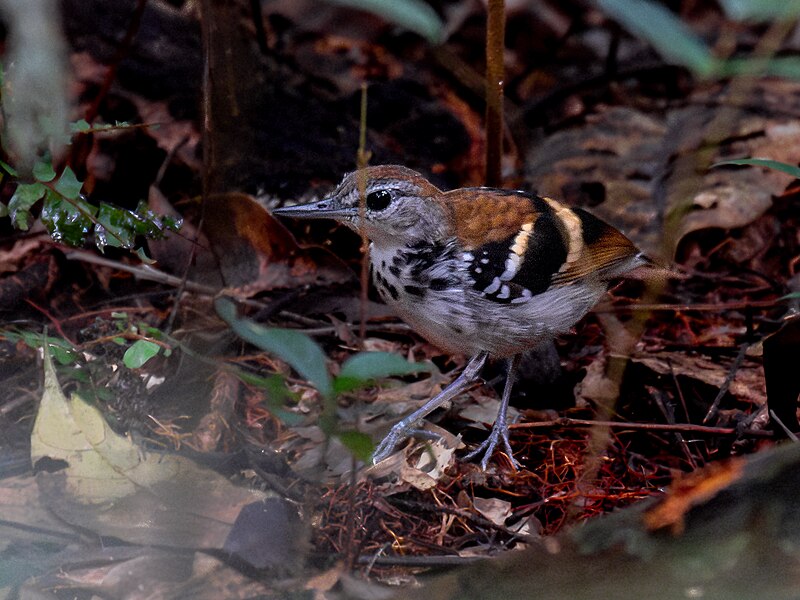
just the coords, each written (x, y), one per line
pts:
(567, 422)
(208, 31)
(723, 389)
(362, 159)
(361, 162)
(495, 73)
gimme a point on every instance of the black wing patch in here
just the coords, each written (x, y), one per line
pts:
(522, 265)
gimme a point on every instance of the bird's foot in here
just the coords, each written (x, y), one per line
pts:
(499, 434)
(401, 431)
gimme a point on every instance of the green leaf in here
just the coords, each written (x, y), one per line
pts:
(25, 196)
(78, 375)
(143, 257)
(67, 221)
(60, 348)
(762, 162)
(3, 210)
(116, 227)
(81, 126)
(64, 356)
(364, 367)
(358, 443)
(43, 171)
(780, 66)
(68, 184)
(152, 225)
(670, 36)
(8, 168)
(296, 348)
(139, 353)
(761, 10)
(792, 296)
(414, 15)
(277, 397)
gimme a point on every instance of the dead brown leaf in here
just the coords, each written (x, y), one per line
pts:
(692, 490)
(748, 384)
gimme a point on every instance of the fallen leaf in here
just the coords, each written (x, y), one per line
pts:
(113, 487)
(256, 252)
(748, 384)
(25, 517)
(692, 490)
(494, 509)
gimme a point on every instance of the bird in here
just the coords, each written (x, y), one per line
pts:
(484, 272)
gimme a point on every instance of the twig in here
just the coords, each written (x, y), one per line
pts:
(362, 159)
(679, 427)
(418, 561)
(463, 514)
(789, 433)
(56, 323)
(723, 389)
(699, 307)
(669, 414)
(495, 69)
(145, 272)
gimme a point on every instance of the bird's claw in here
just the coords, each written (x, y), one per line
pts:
(389, 443)
(396, 435)
(489, 445)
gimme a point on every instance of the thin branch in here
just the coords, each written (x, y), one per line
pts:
(723, 389)
(567, 422)
(495, 75)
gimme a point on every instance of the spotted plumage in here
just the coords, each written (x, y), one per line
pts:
(478, 271)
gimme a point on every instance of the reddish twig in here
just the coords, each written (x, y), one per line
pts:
(56, 323)
(659, 427)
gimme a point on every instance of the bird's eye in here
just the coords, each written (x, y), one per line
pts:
(378, 200)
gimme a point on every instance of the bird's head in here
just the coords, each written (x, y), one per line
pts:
(399, 205)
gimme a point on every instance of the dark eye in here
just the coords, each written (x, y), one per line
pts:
(378, 200)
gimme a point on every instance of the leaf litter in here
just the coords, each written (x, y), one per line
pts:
(736, 242)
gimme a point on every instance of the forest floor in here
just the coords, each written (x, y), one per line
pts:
(185, 428)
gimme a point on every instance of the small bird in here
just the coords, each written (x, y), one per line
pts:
(484, 272)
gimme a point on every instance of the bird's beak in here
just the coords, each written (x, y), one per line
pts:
(322, 209)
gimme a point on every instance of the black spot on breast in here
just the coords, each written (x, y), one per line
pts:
(394, 270)
(397, 260)
(414, 290)
(420, 257)
(438, 284)
(392, 291)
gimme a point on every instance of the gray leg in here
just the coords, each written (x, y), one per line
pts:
(402, 429)
(500, 429)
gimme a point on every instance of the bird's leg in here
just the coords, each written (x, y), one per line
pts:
(402, 429)
(500, 429)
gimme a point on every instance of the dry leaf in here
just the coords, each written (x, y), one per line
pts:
(109, 485)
